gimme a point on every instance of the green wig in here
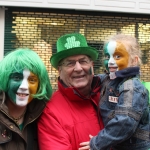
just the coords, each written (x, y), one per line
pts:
(21, 59)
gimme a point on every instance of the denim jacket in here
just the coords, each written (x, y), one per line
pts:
(125, 112)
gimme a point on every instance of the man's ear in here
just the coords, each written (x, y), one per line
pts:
(59, 69)
(92, 68)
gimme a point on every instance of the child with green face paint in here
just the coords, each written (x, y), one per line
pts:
(25, 88)
(124, 100)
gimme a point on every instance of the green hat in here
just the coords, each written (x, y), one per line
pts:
(72, 44)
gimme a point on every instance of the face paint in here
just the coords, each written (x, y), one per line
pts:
(13, 85)
(111, 50)
(122, 56)
(119, 57)
(22, 86)
(90, 71)
(106, 59)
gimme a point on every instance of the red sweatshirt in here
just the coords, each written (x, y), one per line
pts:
(69, 118)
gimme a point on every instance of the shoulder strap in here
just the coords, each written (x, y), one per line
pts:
(147, 86)
(104, 83)
(31, 129)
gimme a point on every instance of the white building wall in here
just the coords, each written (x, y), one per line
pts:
(127, 6)
(2, 24)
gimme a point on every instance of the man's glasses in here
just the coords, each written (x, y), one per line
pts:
(72, 63)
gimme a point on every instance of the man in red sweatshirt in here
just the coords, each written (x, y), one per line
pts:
(72, 113)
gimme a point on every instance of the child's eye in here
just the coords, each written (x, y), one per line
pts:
(117, 56)
(17, 78)
(32, 80)
(106, 57)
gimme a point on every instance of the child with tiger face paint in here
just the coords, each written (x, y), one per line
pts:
(124, 100)
(25, 88)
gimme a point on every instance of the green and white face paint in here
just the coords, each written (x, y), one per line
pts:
(109, 51)
(21, 87)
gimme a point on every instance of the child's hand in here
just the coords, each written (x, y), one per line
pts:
(85, 145)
